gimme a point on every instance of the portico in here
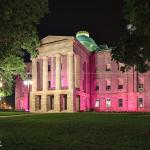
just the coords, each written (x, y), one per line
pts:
(53, 76)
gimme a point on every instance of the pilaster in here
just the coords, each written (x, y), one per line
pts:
(34, 75)
(70, 66)
(45, 73)
(58, 72)
(56, 102)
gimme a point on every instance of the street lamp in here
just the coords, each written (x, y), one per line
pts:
(131, 28)
(1, 84)
(27, 82)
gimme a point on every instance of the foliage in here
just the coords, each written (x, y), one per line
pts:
(133, 48)
(18, 33)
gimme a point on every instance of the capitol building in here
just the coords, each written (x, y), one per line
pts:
(73, 74)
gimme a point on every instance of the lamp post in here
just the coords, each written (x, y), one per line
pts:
(131, 28)
(28, 82)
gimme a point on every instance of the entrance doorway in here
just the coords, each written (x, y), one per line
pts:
(50, 102)
(37, 102)
(63, 102)
(78, 103)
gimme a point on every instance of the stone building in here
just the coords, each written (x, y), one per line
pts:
(73, 74)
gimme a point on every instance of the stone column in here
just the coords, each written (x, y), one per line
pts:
(34, 85)
(58, 72)
(45, 73)
(56, 102)
(34, 75)
(32, 102)
(77, 71)
(70, 67)
(52, 72)
(70, 103)
(44, 103)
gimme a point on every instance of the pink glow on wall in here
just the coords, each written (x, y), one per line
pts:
(64, 83)
(22, 91)
(21, 98)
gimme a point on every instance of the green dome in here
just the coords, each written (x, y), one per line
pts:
(84, 39)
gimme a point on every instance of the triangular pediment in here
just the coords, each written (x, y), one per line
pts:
(55, 39)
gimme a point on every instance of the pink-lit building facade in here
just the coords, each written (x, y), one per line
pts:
(75, 74)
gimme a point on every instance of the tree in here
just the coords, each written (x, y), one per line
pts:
(18, 33)
(133, 48)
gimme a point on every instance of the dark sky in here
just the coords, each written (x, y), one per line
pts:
(103, 19)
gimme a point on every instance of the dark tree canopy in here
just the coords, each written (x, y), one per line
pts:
(133, 48)
(18, 33)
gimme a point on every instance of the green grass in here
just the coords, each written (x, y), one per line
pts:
(77, 131)
(12, 113)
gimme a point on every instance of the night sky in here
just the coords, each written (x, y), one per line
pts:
(103, 19)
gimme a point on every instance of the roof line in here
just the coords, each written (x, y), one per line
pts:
(54, 42)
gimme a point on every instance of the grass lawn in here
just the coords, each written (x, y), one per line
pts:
(12, 113)
(77, 131)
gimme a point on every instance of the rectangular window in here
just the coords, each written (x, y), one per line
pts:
(122, 68)
(97, 103)
(108, 67)
(97, 87)
(108, 103)
(120, 83)
(108, 87)
(120, 102)
(140, 103)
(49, 68)
(140, 85)
(120, 86)
(49, 84)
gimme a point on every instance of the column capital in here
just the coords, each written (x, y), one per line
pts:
(70, 53)
(45, 57)
(58, 55)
